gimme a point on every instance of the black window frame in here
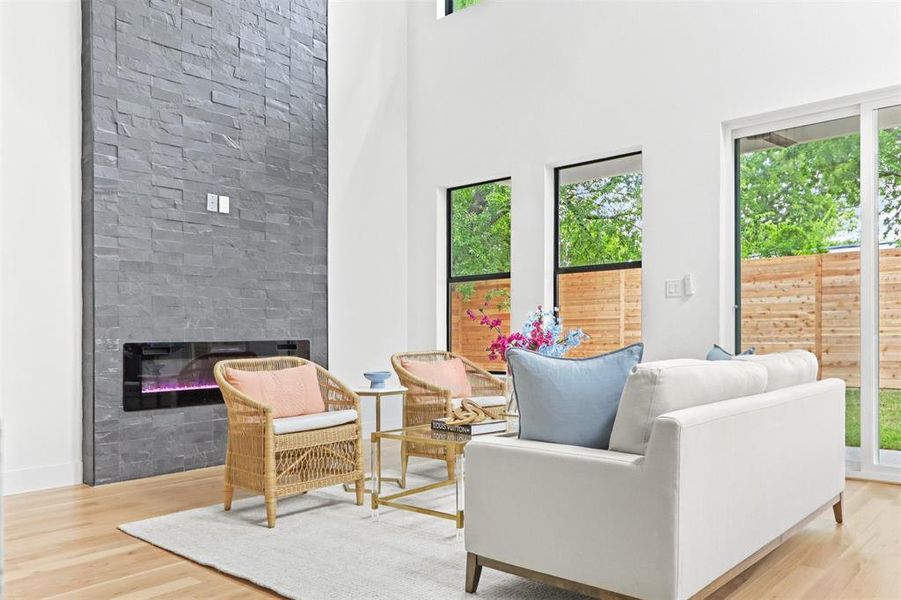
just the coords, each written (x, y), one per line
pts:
(558, 270)
(449, 7)
(451, 279)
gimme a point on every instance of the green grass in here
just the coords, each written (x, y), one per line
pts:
(889, 418)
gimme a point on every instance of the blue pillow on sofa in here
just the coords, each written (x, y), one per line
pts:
(720, 353)
(570, 401)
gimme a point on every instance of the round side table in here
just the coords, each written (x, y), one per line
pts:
(376, 394)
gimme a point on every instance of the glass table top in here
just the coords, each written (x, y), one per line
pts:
(426, 435)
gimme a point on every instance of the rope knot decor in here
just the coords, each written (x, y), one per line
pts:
(467, 413)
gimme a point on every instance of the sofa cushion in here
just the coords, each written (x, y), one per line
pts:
(290, 392)
(481, 401)
(447, 374)
(655, 388)
(317, 421)
(720, 353)
(785, 369)
(570, 401)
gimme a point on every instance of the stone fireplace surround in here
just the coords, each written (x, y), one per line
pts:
(181, 99)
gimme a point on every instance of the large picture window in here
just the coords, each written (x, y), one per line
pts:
(598, 251)
(478, 267)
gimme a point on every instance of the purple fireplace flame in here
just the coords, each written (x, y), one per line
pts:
(175, 386)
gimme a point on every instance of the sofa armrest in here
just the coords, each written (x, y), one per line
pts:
(749, 470)
(596, 516)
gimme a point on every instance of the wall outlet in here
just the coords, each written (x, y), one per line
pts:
(223, 204)
(673, 288)
(212, 202)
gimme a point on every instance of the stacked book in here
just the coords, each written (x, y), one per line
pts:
(488, 426)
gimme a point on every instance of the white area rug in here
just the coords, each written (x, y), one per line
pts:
(324, 546)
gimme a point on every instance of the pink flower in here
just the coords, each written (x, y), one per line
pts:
(541, 334)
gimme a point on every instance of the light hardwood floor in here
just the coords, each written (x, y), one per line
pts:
(64, 543)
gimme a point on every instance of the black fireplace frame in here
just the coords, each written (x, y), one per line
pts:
(134, 353)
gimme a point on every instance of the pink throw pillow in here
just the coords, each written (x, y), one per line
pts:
(448, 374)
(290, 392)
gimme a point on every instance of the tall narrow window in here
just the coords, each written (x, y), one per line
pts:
(798, 243)
(598, 265)
(478, 267)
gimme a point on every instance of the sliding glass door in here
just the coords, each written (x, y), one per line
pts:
(818, 260)
(888, 174)
(798, 206)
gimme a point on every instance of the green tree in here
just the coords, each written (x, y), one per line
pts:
(805, 199)
(801, 199)
(890, 184)
(480, 229)
(600, 221)
(460, 4)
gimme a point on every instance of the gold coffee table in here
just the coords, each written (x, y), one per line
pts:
(453, 444)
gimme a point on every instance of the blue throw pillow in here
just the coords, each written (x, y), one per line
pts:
(570, 401)
(719, 353)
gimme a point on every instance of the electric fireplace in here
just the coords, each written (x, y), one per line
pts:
(170, 375)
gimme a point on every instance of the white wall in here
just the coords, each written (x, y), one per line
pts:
(367, 191)
(516, 87)
(40, 223)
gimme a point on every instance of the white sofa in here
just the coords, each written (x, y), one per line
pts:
(719, 486)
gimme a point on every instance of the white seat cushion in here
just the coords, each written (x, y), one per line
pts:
(655, 388)
(314, 421)
(785, 369)
(486, 401)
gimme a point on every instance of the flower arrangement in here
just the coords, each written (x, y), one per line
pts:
(542, 333)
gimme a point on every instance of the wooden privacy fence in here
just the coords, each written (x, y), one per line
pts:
(468, 337)
(813, 302)
(605, 304)
(810, 302)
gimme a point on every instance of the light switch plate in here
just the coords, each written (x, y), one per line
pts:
(688, 285)
(212, 202)
(673, 288)
(223, 204)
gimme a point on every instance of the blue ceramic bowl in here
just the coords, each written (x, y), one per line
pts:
(377, 378)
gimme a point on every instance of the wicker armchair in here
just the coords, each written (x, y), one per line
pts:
(426, 401)
(293, 463)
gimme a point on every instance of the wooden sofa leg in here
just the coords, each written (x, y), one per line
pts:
(229, 493)
(837, 510)
(473, 572)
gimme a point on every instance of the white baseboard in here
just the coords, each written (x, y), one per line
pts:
(17, 481)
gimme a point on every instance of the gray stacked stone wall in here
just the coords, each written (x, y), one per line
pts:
(183, 98)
